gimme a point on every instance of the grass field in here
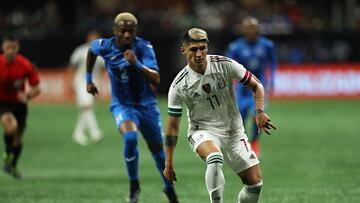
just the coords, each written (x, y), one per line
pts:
(313, 157)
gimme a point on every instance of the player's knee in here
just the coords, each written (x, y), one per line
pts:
(215, 159)
(130, 138)
(10, 124)
(254, 189)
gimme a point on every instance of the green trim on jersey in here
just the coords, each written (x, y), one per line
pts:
(174, 112)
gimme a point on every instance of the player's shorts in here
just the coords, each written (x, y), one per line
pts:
(146, 118)
(83, 98)
(19, 110)
(235, 148)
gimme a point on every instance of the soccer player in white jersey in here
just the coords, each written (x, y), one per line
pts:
(216, 131)
(86, 119)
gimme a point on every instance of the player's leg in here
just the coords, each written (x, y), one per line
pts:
(92, 125)
(207, 146)
(252, 181)
(9, 123)
(150, 127)
(84, 102)
(127, 122)
(242, 160)
(79, 131)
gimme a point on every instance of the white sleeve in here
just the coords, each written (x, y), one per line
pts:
(174, 102)
(239, 72)
(74, 59)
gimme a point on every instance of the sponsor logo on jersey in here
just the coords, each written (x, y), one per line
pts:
(221, 84)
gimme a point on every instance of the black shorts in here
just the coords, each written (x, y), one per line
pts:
(18, 109)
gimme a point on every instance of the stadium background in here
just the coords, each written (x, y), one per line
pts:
(313, 157)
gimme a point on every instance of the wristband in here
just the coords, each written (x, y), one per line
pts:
(139, 65)
(88, 77)
(259, 111)
(170, 141)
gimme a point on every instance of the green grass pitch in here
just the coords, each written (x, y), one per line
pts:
(312, 157)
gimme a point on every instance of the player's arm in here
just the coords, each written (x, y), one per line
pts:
(152, 75)
(34, 86)
(261, 118)
(90, 62)
(273, 66)
(238, 72)
(172, 131)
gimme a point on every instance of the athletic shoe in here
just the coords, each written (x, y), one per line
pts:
(171, 195)
(81, 140)
(134, 196)
(98, 138)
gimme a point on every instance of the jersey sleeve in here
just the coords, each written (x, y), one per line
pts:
(231, 51)
(98, 46)
(74, 58)
(239, 72)
(148, 56)
(174, 102)
(33, 75)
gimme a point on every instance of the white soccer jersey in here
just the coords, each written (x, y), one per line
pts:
(209, 98)
(78, 60)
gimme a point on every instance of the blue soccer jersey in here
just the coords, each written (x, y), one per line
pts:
(255, 56)
(128, 86)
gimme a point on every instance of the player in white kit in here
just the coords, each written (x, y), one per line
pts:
(86, 119)
(216, 131)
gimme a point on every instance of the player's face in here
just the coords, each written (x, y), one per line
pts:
(195, 53)
(10, 49)
(250, 29)
(125, 33)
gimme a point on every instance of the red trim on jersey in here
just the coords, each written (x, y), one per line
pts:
(247, 77)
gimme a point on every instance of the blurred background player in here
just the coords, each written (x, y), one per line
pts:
(256, 53)
(133, 72)
(15, 72)
(86, 120)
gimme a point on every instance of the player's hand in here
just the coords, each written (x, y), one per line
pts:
(169, 174)
(92, 89)
(263, 123)
(130, 56)
(23, 97)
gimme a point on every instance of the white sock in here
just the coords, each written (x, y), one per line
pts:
(250, 193)
(80, 126)
(214, 177)
(91, 123)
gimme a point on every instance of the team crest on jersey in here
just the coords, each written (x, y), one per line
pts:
(221, 84)
(207, 88)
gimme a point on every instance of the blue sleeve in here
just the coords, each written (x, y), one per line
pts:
(231, 52)
(273, 62)
(148, 57)
(98, 46)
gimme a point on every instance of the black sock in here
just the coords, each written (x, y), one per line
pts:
(134, 185)
(17, 151)
(8, 143)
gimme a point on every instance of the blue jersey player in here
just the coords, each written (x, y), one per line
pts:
(256, 53)
(133, 71)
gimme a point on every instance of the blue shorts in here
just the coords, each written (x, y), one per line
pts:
(146, 118)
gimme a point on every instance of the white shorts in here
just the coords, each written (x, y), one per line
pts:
(235, 148)
(83, 98)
